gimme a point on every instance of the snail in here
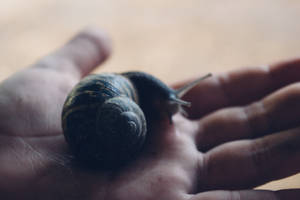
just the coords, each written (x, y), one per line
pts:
(104, 118)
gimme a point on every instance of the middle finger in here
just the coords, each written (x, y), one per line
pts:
(276, 112)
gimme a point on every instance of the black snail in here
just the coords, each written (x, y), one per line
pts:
(104, 116)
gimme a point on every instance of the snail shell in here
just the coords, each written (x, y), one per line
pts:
(104, 118)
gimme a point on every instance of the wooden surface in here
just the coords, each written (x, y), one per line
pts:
(172, 39)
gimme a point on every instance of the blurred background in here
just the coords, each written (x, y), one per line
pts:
(172, 39)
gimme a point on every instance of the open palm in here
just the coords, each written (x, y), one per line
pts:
(242, 133)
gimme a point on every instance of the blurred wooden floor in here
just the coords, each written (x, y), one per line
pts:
(172, 39)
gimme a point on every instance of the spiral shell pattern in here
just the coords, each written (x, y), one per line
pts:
(102, 122)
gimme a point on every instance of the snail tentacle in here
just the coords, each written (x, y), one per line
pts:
(184, 89)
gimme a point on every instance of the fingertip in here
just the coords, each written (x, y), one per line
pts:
(80, 55)
(100, 39)
(88, 49)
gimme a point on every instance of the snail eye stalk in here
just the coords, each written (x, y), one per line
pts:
(184, 89)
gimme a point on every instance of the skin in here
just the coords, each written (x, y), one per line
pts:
(243, 131)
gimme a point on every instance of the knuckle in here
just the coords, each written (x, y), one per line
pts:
(234, 195)
(54, 61)
(256, 119)
(261, 156)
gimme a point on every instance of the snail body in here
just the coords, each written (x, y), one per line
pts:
(104, 118)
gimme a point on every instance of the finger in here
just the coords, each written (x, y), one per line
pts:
(249, 163)
(274, 113)
(240, 87)
(80, 55)
(292, 194)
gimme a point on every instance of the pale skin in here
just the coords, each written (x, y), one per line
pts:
(243, 131)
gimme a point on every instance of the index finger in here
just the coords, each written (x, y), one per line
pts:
(240, 87)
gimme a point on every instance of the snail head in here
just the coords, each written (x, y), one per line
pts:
(176, 104)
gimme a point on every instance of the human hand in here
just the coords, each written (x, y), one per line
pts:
(248, 131)
(184, 161)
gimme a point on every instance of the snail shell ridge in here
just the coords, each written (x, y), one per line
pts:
(101, 121)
